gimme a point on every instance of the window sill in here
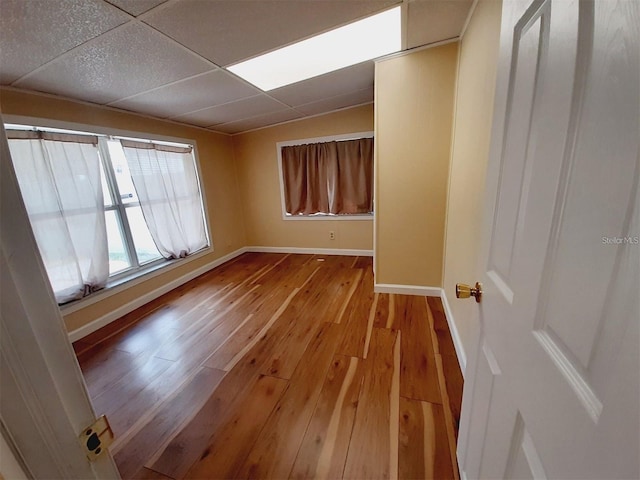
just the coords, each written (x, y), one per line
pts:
(125, 281)
(357, 217)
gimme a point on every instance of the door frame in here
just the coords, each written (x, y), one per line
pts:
(44, 403)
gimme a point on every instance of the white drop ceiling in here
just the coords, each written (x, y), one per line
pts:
(167, 58)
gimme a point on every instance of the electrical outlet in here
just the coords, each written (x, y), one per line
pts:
(332, 235)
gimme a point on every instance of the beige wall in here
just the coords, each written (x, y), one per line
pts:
(414, 108)
(472, 130)
(219, 182)
(257, 163)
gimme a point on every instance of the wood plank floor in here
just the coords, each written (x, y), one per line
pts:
(279, 366)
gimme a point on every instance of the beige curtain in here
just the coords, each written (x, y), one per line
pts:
(328, 178)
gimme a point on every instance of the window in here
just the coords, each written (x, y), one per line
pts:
(328, 177)
(130, 243)
(103, 208)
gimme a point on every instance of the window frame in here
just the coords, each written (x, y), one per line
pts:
(119, 206)
(319, 216)
(147, 270)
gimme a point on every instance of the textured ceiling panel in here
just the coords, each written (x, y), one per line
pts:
(227, 31)
(358, 77)
(340, 101)
(205, 90)
(258, 121)
(136, 7)
(431, 21)
(94, 50)
(35, 32)
(241, 109)
(126, 61)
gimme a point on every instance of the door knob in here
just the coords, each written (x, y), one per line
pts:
(465, 291)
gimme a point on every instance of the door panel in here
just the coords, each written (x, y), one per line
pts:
(524, 461)
(501, 422)
(529, 49)
(486, 374)
(561, 270)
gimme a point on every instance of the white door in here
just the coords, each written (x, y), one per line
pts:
(553, 389)
(44, 403)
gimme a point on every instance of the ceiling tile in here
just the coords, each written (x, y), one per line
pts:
(227, 31)
(357, 77)
(339, 101)
(123, 62)
(431, 21)
(33, 32)
(136, 7)
(85, 49)
(205, 90)
(257, 122)
(241, 109)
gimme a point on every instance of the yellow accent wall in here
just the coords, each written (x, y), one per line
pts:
(470, 151)
(219, 181)
(258, 175)
(413, 121)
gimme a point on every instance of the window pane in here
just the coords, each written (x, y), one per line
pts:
(118, 259)
(121, 169)
(145, 246)
(106, 193)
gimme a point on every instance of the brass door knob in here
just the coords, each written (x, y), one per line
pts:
(465, 291)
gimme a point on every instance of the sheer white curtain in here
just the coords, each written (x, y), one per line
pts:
(59, 177)
(167, 186)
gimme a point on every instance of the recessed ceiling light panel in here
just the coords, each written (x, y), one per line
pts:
(357, 42)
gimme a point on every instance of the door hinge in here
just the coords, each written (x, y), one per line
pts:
(96, 438)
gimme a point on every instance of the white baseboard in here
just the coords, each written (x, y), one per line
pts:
(407, 289)
(455, 335)
(152, 295)
(314, 251)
